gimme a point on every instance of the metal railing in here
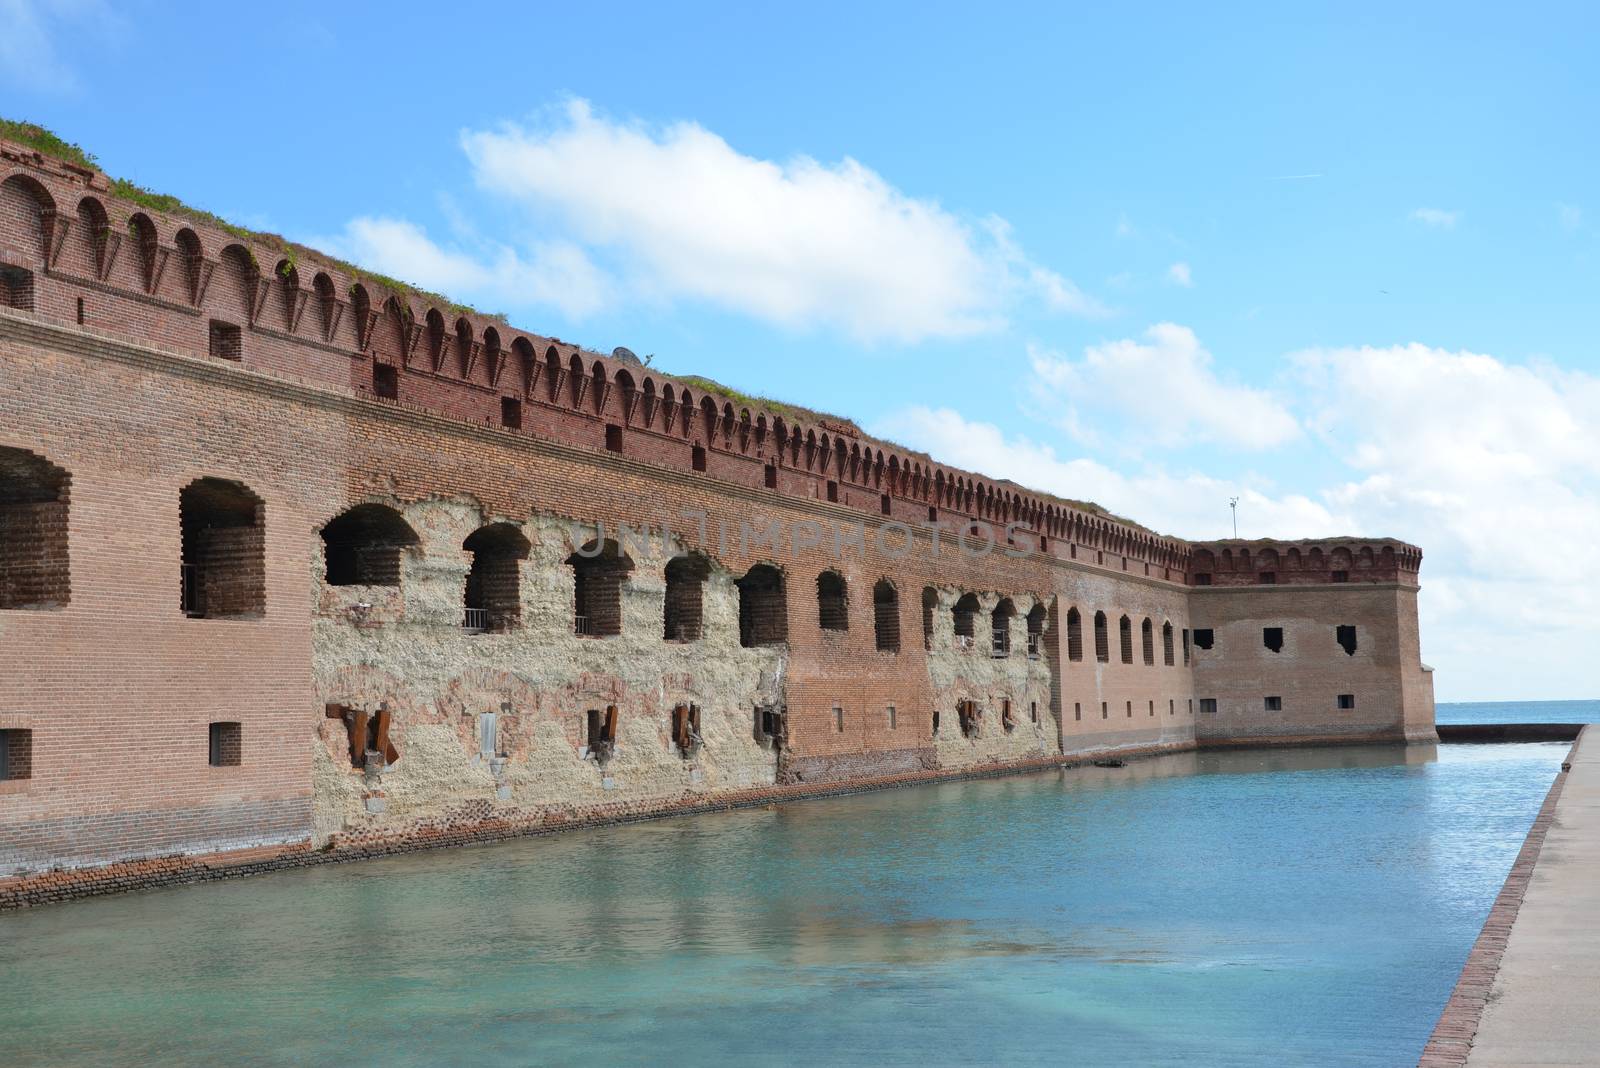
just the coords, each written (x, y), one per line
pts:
(580, 626)
(1000, 645)
(1033, 645)
(964, 641)
(475, 619)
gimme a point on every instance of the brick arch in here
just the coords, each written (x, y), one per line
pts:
(328, 305)
(290, 297)
(35, 569)
(94, 238)
(26, 205)
(191, 262)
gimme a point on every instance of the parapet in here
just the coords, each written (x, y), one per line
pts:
(1308, 562)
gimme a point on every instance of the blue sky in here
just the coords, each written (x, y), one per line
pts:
(1342, 262)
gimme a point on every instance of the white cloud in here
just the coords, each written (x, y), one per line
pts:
(797, 243)
(1179, 274)
(1437, 218)
(1190, 505)
(1571, 216)
(557, 274)
(1164, 389)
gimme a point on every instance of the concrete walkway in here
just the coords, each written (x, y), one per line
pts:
(1544, 1003)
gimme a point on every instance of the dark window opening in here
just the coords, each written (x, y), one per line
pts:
(1152, 708)
(81, 315)
(1033, 711)
(1102, 639)
(833, 492)
(34, 570)
(493, 598)
(16, 288)
(600, 733)
(223, 573)
(683, 611)
(365, 545)
(1267, 578)
(933, 515)
(930, 604)
(1274, 704)
(1166, 644)
(1204, 638)
(883, 504)
(1340, 576)
(686, 729)
(613, 438)
(598, 573)
(1347, 701)
(386, 381)
(1202, 578)
(1074, 635)
(227, 342)
(1007, 722)
(1036, 618)
(936, 722)
(1077, 710)
(886, 617)
(1147, 641)
(1208, 706)
(769, 727)
(833, 611)
(226, 745)
(971, 718)
(367, 734)
(772, 476)
(1272, 638)
(1130, 710)
(511, 413)
(1105, 710)
(16, 754)
(1345, 634)
(1185, 646)
(697, 458)
(963, 615)
(763, 611)
(838, 719)
(1125, 631)
(1000, 628)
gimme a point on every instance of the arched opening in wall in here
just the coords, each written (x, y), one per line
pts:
(1000, 628)
(598, 570)
(886, 617)
(34, 570)
(493, 597)
(1125, 632)
(1102, 641)
(833, 605)
(223, 527)
(963, 615)
(1166, 643)
(26, 206)
(1036, 621)
(930, 605)
(1074, 634)
(1147, 636)
(365, 545)
(682, 612)
(763, 611)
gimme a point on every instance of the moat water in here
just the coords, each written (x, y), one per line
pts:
(1254, 908)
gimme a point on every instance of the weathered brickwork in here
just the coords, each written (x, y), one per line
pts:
(452, 581)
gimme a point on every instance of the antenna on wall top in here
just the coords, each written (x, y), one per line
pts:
(1233, 505)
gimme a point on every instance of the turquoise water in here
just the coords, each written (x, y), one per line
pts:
(1518, 712)
(1256, 908)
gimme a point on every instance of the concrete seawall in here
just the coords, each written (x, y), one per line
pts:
(1527, 994)
(1509, 732)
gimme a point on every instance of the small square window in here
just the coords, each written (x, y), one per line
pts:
(1272, 638)
(226, 341)
(1268, 578)
(1204, 638)
(511, 413)
(1347, 701)
(386, 381)
(1274, 704)
(1340, 576)
(16, 288)
(1208, 706)
(227, 745)
(613, 438)
(16, 754)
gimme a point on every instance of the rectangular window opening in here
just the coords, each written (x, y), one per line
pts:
(883, 504)
(1204, 638)
(833, 492)
(1202, 578)
(894, 719)
(16, 287)
(1077, 710)
(1345, 634)
(1268, 578)
(1347, 701)
(511, 413)
(1208, 706)
(226, 745)
(613, 438)
(772, 476)
(227, 341)
(386, 381)
(838, 719)
(1340, 576)
(16, 754)
(1272, 638)
(1274, 704)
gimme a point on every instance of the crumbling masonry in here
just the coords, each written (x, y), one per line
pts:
(295, 565)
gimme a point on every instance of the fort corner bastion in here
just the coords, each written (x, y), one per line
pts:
(298, 563)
